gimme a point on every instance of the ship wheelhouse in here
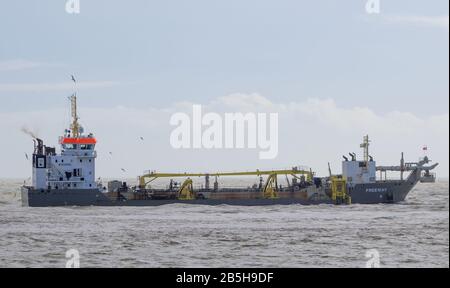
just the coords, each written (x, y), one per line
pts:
(82, 145)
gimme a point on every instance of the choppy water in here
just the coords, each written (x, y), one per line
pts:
(411, 234)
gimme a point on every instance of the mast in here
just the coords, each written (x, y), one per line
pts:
(365, 146)
(75, 126)
(402, 167)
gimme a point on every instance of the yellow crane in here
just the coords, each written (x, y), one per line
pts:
(186, 191)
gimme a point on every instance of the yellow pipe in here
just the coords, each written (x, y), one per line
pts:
(155, 175)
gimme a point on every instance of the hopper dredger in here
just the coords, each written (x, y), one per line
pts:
(68, 179)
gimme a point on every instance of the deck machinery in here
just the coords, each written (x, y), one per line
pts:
(268, 190)
(68, 179)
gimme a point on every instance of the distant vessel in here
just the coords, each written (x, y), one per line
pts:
(68, 179)
(428, 177)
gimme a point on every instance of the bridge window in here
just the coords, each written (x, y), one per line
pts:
(86, 147)
(70, 146)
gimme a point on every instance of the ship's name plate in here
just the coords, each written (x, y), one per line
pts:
(376, 190)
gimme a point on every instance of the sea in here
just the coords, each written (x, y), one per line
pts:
(414, 233)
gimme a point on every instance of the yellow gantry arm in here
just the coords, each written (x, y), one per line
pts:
(186, 191)
(153, 175)
(271, 188)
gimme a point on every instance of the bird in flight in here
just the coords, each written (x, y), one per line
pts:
(123, 170)
(26, 156)
(73, 79)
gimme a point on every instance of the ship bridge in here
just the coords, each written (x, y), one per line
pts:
(80, 146)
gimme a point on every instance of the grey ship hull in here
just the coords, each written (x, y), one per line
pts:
(380, 192)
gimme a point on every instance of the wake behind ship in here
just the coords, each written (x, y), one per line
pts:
(68, 179)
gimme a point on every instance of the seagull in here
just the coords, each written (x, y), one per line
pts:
(123, 170)
(26, 156)
(73, 79)
(142, 138)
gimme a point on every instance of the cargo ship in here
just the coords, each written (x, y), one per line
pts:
(68, 178)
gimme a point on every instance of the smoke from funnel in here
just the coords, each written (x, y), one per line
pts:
(29, 132)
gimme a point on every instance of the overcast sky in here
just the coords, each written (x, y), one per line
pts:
(332, 71)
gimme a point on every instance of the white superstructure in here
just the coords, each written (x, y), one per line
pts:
(74, 167)
(357, 171)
